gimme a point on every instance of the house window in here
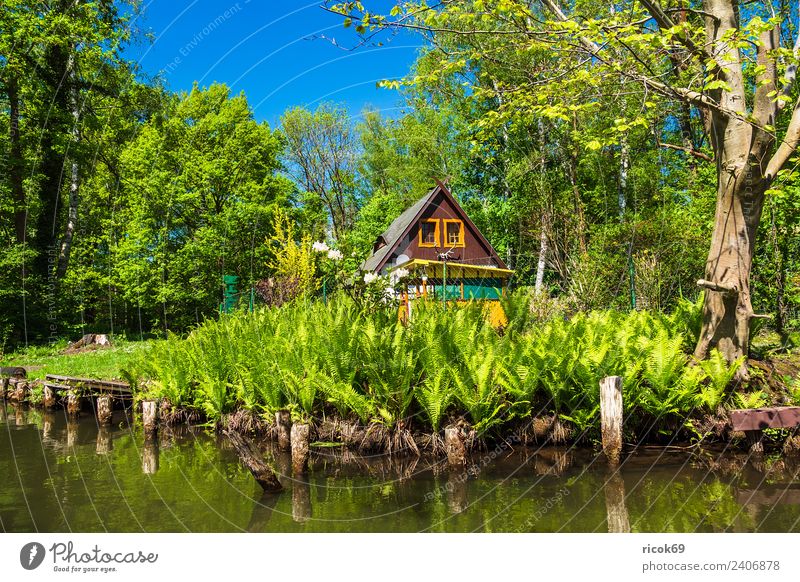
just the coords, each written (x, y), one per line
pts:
(453, 233)
(429, 233)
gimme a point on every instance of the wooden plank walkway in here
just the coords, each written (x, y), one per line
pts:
(91, 385)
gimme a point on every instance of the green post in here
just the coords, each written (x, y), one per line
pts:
(444, 284)
(230, 293)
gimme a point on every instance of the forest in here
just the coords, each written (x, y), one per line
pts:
(124, 204)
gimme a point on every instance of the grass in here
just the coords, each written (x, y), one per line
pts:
(102, 363)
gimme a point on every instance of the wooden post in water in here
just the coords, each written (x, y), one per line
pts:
(150, 418)
(18, 389)
(454, 445)
(104, 410)
(611, 417)
(301, 434)
(48, 397)
(250, 458)
(283, 423)
(73, 403)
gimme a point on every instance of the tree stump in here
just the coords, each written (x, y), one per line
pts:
(455, 447)
(3, 388)
(250, 458)
(73, 403)
(48, 397)
(18, 388)
(283, 423)
(150, 418)
(300, 442)
(611, 417)
(20, 418)
(104, 410)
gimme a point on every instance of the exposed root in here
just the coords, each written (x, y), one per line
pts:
(245, 422)
(560, 432)
(431, 442)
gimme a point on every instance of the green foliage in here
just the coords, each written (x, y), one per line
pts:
(447, 362)
(199, 183)
(720, 374)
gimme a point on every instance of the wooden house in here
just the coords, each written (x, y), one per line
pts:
(445, 254)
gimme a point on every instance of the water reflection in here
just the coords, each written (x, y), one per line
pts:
(616, 510)
(301, 501)
(457, 499)
(87, 478)
(263, 509)
(104, 443)
(552, 461)
(150, 452)
(72, 435)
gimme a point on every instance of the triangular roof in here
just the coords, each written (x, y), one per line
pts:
(402, 225)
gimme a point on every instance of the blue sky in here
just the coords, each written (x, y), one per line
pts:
(280, 53)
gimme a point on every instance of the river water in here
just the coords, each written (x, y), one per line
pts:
(60, 477)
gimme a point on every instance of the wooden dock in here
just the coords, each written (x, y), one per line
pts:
(69, 391)
(89, 386)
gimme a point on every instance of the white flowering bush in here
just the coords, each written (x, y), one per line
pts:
(398, 275)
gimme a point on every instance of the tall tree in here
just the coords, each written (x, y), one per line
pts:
(735, 72)
(199, 187)
(320, 155)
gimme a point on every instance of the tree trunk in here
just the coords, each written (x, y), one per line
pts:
(540, 266)
(740, 153)
(15, 162)
(74, 183)
(572, 172)
(727, 309)
(52, 164)
(624, 166)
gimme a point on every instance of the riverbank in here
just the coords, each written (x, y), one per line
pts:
(367, 381)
